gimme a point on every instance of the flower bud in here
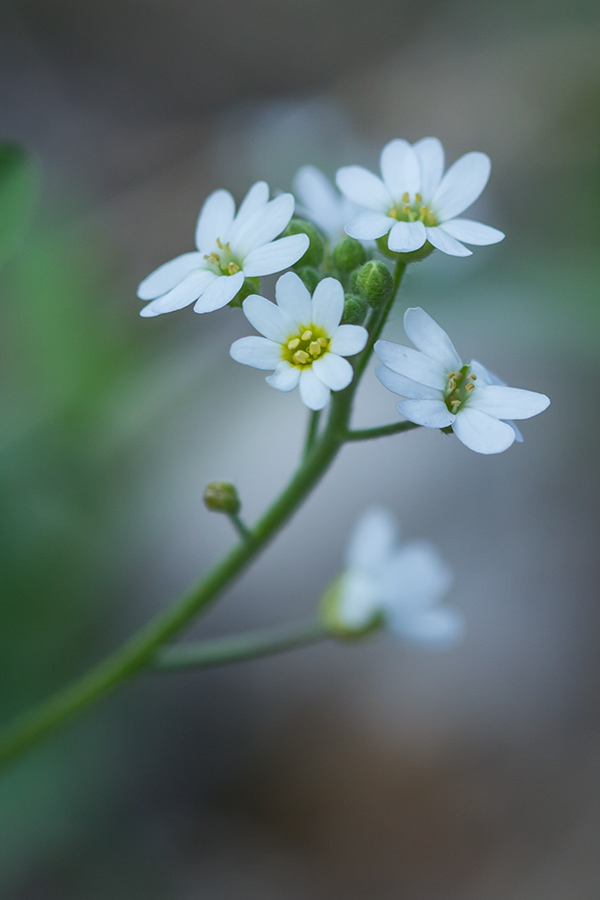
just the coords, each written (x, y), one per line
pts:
(221, 496)
(250, 286)
(348, 255)
(316, 247)
(375, 282)
(310, 276)
(355, 309)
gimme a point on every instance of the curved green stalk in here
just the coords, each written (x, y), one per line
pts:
(138, 652)
(367, 434)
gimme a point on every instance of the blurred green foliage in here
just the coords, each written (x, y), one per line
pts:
(17, 194)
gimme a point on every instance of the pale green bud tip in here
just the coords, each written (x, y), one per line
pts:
(375, 282)
(250, 286)
(316, 247)
(355, 309)
(332, 615)
(221, 496)
(348, 255)
(310, 276)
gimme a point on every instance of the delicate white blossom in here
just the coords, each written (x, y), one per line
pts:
(442, 391)
(230, 248)
(414, 203)
(321, 203)
(303, 339)
(401, 584)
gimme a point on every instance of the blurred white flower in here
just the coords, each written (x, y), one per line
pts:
(321, 203)
(230, 248)
(304, 342)
(399, 584)
(414, 203)
(441, 391)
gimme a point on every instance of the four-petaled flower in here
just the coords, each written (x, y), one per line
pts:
(442, 391)
(414, 203)
(319, 202)
(303, 339)
(401, 585)
(230, 248)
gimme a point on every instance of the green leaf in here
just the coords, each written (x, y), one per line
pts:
(17, 190)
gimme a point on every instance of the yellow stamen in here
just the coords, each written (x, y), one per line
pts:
(232, 268)
(469, 387)
(219, 244)
(455, 403)
(314, 348)
(405, 197)
(393, 212)
(471, 375)
(300, 357)
(295, 342)
(323, 342)
(306, 336)
(452, 384)
(419, 198)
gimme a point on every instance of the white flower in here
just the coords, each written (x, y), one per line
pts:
(401, 584)
(230, 248)
(304, 342)
(441, 391)
(321, 203)
(414, 203)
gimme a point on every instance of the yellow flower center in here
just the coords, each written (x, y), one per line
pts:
(223, 261)
(460, 384)
(303, 348)
(414, 211)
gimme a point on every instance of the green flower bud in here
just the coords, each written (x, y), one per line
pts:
(310, 276)
(316, 247)
(348, 255)
(221, 496)
(415, 256)
(353, 285)
(355, 309)
(250, 286)
(375, 282)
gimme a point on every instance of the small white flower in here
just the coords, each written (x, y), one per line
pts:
(230, 248)
(441, 391)
(414, 203)
(320, 202)
(304, 342)
(400, 584)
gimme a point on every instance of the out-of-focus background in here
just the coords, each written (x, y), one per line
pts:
(373, 771)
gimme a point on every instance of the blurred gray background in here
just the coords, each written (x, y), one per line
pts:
(372, 771)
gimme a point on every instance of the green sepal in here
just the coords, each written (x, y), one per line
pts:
(329, 615)
(355, 309)
(18, 184)
(250, 286)
(316, 247)
(416, 255)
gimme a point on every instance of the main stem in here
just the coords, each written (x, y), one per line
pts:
(138, 652)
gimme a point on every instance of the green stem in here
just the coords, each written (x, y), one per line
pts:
(366, 434)
(241, 528)
(218, 652)
(313, 429)
(137, 653)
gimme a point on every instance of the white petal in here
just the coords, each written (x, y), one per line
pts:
(443, 626)
(430, 154)
(276, 256)
(461, 185)
(294, 298)
(484, 375)
(406, 237)
(348, 340)
(482, 433)
(285, 377)
(518, 436)
(313, 392)
(442, 241)
(472, 232)
(364, 188)
(319, 201)
(263, 225)
(257, 352)
(358, 599)
(256, 198)
(334, 371)
(506, 402)
(373, 539)
(219, 292)
(405, 387)
(185, 293)
(369, 226)
(268, 318)
(430, 413)
(169, 275)
(214, 220)
(415, 577)
(430, 338)
(400, 169)
(328, 304)
(412, 363)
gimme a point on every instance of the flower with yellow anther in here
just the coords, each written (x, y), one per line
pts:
(442, 392)
(231, 248)
(303, 341)
(413, 204)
